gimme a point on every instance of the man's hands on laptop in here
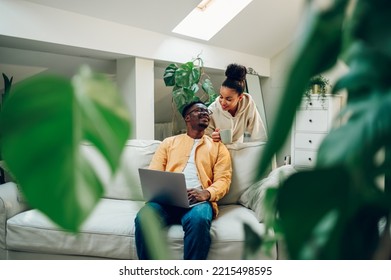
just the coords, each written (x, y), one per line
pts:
(196, 195)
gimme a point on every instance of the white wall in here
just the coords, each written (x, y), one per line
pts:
(49, 63)
(59, 29)
(21, 64)
(135, 78)
(21, 19)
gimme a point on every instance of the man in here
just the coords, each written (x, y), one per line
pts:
(207, 168)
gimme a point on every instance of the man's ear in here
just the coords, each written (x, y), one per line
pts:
(187, 118)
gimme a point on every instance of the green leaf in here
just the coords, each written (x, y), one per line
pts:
(324, 214)
(154, 235)
(370, 23)
(319, 236)
(186, 81)
(252, 243)
(183, 96)
(169, 74)
(367, 128)
(360, 79)
(207, 86)
(304, 200)
(179, 98)
(102, 116)
(195, 75)
(187, 75)
(270, 208)
(318, 52)
(194, 88)
(42, 126)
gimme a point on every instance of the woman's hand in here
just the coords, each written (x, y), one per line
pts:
(216, 135)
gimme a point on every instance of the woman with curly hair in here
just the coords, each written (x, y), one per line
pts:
(235, 110)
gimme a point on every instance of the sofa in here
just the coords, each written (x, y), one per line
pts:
(108, 232)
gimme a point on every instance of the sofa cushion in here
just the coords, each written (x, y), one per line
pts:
(109, 233)
(125, 183)
(245, 159)
(254, 196)
(227, 233)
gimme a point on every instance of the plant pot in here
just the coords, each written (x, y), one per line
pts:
(315, 89)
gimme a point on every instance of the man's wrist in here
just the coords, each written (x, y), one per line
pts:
(209, 195)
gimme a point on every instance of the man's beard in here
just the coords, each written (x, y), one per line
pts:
(203, 125)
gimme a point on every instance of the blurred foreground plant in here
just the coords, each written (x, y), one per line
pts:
(337, 210)
(43, 123)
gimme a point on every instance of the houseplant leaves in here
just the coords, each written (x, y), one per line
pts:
(186, 80)
(187, 75)
(42, 126)
(338, 209)
(327, 219)
(322, 35)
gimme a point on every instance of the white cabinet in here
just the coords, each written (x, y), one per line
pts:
(313, 121)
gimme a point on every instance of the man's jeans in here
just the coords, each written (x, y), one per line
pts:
(195, 221)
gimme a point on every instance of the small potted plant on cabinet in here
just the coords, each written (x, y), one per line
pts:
(317, 85)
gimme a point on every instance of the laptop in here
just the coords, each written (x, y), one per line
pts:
(165, 187)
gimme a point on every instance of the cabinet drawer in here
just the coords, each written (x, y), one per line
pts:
(308, 140)
(315, 103)
(304, 158)
(312, 120)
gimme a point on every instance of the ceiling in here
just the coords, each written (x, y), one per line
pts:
(263, 28)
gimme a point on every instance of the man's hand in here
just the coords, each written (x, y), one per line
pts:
(195, 195)
(216, 135)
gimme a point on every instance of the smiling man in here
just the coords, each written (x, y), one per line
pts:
(207, 168)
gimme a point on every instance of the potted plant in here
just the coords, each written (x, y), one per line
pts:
(187, 79)
(318, 85)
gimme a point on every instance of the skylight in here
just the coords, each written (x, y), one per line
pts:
(209, 17)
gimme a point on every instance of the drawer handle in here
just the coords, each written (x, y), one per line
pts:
(310, 159)
(310, 141)
(310, 120)
(310, 103)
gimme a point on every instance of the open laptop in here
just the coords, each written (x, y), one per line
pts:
(165, 187)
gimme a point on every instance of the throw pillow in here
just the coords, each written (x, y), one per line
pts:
(254, 196)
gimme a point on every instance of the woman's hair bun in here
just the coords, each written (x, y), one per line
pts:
(236, 72)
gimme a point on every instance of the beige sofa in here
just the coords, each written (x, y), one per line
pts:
(109, 231)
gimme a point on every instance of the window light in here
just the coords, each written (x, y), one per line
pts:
(209, 17)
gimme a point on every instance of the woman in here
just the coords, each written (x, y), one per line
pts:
(235, 110)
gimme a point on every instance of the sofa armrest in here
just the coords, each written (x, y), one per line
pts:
(9, 207)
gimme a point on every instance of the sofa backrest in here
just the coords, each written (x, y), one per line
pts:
(125, 183)
(245, 159)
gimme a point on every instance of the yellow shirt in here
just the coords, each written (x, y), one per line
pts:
(212, 159)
